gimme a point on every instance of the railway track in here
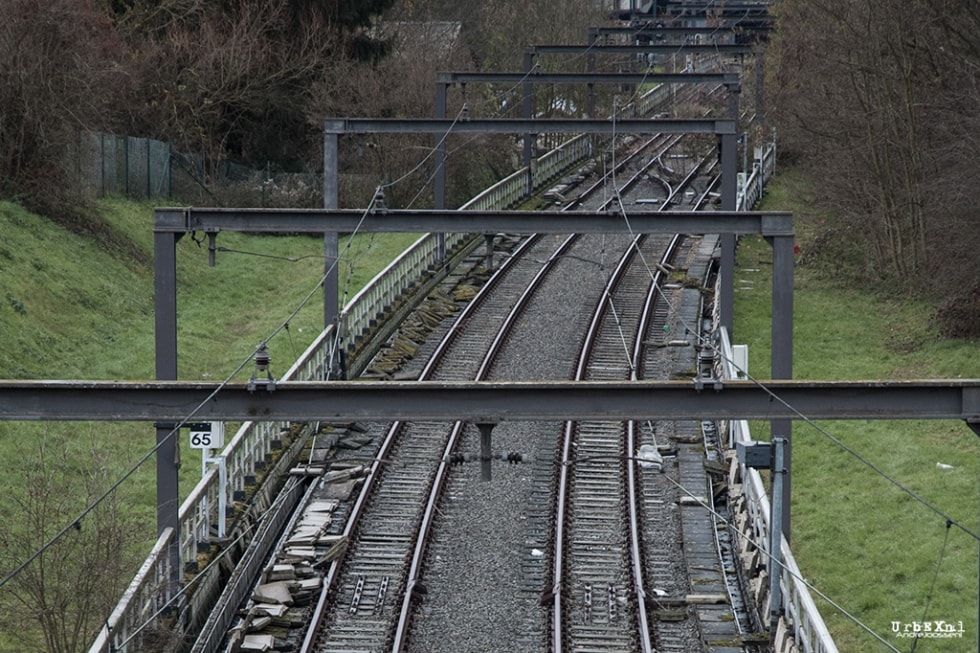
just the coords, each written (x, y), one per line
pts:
(396, 521)
(596, 539)
(367, 548)
(601, 599)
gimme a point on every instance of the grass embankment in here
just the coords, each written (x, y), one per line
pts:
(872, 547)
(80, 307)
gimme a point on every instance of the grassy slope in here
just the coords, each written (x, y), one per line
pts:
(70, 309)
(866, 544)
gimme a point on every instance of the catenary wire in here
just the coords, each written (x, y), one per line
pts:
(932, 588)
(748, 538)
(280, 498)
(96, 502)
(864, 460)
(703, 340)
(283, 325)
(706, 341)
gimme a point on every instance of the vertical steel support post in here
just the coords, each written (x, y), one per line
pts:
(528, 109)
(782, 355)
(760, 76)
(439, 181)
(165, 325)
(590, 67)
(486, 451)
(331, 199)
(729, 190)
(771, 455)
(779, 472)
(729, 199)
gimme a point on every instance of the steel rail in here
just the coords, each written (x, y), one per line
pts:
(564, 500)
(559, 632)
(520, 305)
(490, 356)
(635, 528)
(394, 432)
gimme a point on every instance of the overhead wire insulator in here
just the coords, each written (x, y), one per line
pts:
(378, 203)
(262, 376)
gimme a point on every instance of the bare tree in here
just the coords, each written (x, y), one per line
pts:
(854, 110)
(880, 101)
(432, 36)
(231, 80)
(61, 72)
(224, 84)
(58, 601)
(404, 85)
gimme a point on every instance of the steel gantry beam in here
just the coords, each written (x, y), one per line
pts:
(533, 125)
(775, 226)
(177, 401)
(173, 223)
(724, 129)
(655, 28)
(644, 48)
(165, 239)
(586, 78)
(596, 48)
(271, 221)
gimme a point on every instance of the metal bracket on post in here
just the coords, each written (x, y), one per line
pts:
(765, 455)
(971, 407)
(527, 111)
(486, 454)
(776, 607)
(212, 248)
(757, 455)
(488, 259)
(442, 153)
(332, 130)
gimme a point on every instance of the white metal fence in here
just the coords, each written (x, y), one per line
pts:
(753, 183)
(802, 618)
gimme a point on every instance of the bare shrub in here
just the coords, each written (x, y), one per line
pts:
(61, 598)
